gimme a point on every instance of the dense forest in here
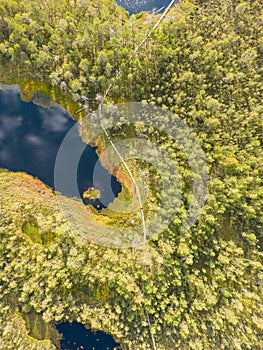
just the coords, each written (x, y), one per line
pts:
(202, 287)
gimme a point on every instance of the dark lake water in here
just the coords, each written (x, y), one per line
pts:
(77, 337)
(137, 6)
(30, 137)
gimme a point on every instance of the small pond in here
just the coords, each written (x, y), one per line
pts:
(137, 6)
(30, 137)
(77, 337)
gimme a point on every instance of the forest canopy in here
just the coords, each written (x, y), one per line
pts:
(202, 288)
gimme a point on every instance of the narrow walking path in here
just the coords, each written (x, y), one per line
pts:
(101, 100)
(129, 172)
(110, 87)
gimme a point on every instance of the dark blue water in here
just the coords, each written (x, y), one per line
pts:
(30, 137)
(137, 6)
(77, 337)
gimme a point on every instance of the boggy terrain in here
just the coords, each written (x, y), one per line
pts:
(202, 288)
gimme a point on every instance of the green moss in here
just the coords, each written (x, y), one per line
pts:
(200, 287)
(39, 329)
(31, 229)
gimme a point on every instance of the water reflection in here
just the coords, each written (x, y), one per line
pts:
(30, 137)
(137, 6)
(77, 337)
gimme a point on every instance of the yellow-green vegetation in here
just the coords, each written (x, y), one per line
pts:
(15, 333)
(38, 329)
(124, 210)
(31, 229)
(201, 288)
(91, 193)
(34, 90)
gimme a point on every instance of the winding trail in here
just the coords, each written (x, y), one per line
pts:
(101, 100)
(110, 87)
(108, 90)
(130, 173)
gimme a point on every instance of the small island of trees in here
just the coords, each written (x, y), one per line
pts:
(201, 288)
(91, 193)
